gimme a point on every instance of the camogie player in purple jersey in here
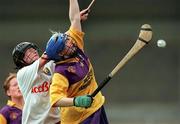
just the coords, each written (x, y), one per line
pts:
(12, 112)
(73, 81)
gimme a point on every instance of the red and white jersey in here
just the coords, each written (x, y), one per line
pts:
(34, 85)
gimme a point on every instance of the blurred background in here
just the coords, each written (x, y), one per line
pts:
(147, 89)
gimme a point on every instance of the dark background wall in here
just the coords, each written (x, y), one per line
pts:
(150, 80)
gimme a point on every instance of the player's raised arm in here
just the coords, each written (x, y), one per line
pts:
(74, 15)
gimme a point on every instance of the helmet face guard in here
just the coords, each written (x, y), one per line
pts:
(70, 48)
(19, 52)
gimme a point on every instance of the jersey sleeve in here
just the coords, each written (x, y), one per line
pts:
(2, 119)
(77, 36)
(26, 77)
(58, 88)
(51, 65)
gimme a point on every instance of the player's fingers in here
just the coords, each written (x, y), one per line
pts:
(85, 11)
(88, 11)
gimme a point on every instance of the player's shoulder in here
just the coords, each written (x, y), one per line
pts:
(29, 67)
(74, 31)
(27, 71)
(50, 63)
(4, 109)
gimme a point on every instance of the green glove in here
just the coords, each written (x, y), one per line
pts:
(83, 101)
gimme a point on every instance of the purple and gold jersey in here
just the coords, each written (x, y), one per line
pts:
(75, 77)
(10, 114)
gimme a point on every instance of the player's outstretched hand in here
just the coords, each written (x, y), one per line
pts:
(84, 14)
(83, 101)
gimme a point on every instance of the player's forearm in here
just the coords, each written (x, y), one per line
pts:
(74, 14)
(64, 102)
(74, 10)
(79, 101)
(43, 60)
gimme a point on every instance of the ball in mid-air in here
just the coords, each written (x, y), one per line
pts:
(161, 43)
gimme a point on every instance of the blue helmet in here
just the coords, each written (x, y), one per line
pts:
(55, 45)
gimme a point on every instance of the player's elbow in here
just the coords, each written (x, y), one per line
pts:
(75, 18)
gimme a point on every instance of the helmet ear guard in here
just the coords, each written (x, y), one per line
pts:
(19, 52)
